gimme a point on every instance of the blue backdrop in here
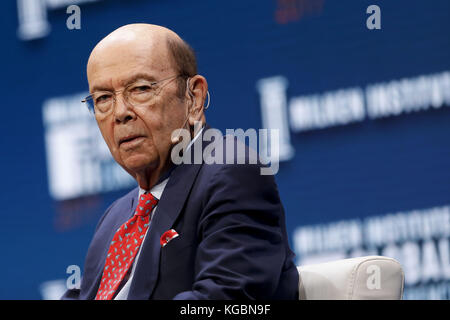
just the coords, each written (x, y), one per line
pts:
(354, 170)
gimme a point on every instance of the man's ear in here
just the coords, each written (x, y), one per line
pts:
(198, 87)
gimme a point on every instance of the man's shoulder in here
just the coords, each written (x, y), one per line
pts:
(127, 198)
(120, 205)
(231, 154)
(230, 163)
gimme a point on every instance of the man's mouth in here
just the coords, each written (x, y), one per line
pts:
(129, 140)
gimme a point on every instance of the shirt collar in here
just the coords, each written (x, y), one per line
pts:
(156, 190)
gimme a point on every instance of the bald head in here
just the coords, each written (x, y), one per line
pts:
(146, 39)
(142, 30)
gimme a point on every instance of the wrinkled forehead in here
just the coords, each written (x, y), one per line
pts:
(117, 58)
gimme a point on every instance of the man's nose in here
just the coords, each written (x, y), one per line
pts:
(123, 111)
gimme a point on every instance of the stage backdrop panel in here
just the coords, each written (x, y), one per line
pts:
(363, 118)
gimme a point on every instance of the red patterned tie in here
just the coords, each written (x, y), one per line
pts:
(124, 246)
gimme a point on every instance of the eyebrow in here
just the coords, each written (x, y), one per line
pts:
(133, 78)
(138, 76)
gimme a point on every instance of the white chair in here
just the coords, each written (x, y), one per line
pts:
(363, 278)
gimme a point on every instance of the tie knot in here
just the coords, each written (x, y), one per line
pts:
(147, 202)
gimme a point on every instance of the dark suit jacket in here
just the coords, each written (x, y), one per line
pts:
(232, 241)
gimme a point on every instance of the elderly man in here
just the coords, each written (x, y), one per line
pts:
(188, 231)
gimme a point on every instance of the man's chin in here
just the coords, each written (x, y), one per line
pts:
(137, 164)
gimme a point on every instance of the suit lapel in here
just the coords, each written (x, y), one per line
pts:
(169, 207)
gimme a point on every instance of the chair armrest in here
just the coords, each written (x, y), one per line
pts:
(363, 278)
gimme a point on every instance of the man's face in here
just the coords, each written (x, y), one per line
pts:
(139, 137)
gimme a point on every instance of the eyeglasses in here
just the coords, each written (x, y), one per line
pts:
(135, 94)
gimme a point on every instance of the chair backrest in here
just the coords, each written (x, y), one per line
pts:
(363, 278)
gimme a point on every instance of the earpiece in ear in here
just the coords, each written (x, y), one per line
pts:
(177, 139)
